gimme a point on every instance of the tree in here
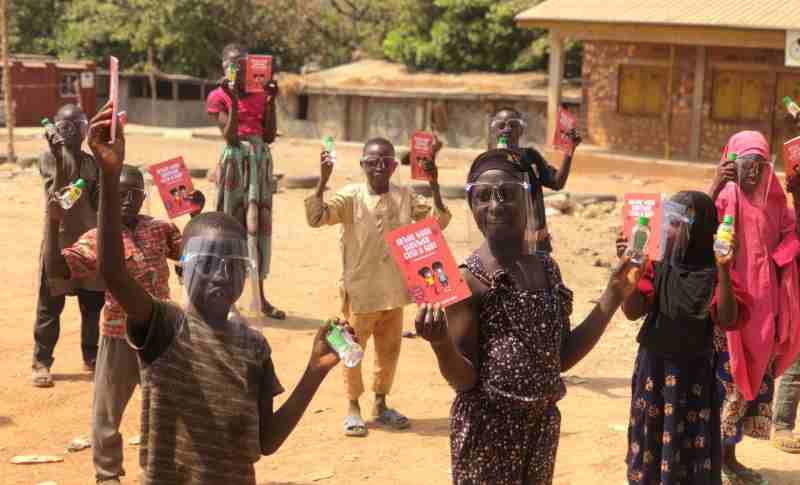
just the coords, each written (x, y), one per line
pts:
(32, 25)
(464, 35)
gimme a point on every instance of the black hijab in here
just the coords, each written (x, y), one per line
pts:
(679, 322)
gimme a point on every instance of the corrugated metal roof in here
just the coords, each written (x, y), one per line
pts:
(745, 14)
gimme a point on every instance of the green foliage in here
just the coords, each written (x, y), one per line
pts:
(187, 36)
(463, 35)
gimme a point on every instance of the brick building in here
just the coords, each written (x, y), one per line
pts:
(42, 84)
(675, 79)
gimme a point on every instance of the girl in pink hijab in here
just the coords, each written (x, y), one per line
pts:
(750, 358)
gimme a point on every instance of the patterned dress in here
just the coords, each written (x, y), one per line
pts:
(674, 432)
(739, 416)
(505, 430)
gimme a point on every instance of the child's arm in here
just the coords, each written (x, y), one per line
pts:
(270, 115)
(136, 302)
(420, 206)
(227, 120)
(276, 427)
(338, 210)
(556, 179)
(585, 336)
(635, 306)
(727, 306)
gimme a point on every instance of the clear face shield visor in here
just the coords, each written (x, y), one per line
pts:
(755, 178)
(214, 270)
(675, 234)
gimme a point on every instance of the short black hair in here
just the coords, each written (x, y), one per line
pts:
(132, 172)
(69, 111)
(213, 222)
(378, 141)
(509, 109)
(231, 48)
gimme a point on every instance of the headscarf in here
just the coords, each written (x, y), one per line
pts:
(766, 261)
(521, 166)
(679, 324)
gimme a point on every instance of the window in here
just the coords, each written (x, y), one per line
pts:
(642, 90)
(738, 96)
(69, 85)
(189, 91)
(139, 87)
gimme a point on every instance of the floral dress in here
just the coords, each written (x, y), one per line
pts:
(505, 430)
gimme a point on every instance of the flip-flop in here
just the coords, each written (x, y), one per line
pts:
(752, 477)
(729, 477)
(42, 378)
(393, 419)
(355, 426)
(787, 444)
(273, 313)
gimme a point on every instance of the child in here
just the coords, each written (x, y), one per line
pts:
(674, 432)
(208, 383)
(65, 149)
(244, 178)
(148, 244)
(374, 291)
(750, 359)
(510, 123)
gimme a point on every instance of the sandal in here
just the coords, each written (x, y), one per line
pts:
(41, 377)
(729, 477)
(787, 444)
(393, 419)
(752, 477)
(355, 426)
(273, 313)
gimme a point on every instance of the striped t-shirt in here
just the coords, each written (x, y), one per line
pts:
(201, 390)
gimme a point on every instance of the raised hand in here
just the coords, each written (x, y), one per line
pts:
(622, 244)
(575, 137)
(271, 88)
(430, 168)
(625, 277)
(431, 323)
(109, 156)
(724, 263)
(727, 172)
(323, 357)
(325, 167)
(54, 210)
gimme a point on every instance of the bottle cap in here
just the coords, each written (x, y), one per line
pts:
(732, 157)
(80, 183)
(45, 121)
(328, 142)
(644, 221)
(727, 220)
(787, 100)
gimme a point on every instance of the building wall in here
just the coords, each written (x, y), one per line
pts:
(460, 123)
(36, 91)
(608, 127)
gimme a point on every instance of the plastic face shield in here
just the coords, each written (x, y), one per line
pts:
(508, 192)
(676, 229)
(755, 178)
(214, 270)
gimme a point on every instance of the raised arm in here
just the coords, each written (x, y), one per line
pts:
(136, 302)
(585, 336)
(275, 427)
(270, 115)
(227, 118)
(338, 210)
(558, 178)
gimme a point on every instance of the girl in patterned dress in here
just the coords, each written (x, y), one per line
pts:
(244, 174)
(503, 349)
(674, 430)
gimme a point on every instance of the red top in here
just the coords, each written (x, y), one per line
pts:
(251, 110)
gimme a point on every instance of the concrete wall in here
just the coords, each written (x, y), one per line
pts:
(460, 123)
(607, 127)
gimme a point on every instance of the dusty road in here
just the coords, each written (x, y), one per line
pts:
(306, 269)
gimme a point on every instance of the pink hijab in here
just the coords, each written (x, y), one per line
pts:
(766, 260)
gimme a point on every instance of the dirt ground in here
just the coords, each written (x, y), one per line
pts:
(306, 270)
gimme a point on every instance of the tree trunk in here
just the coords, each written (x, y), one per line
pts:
(8, 100)
(151, 71)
